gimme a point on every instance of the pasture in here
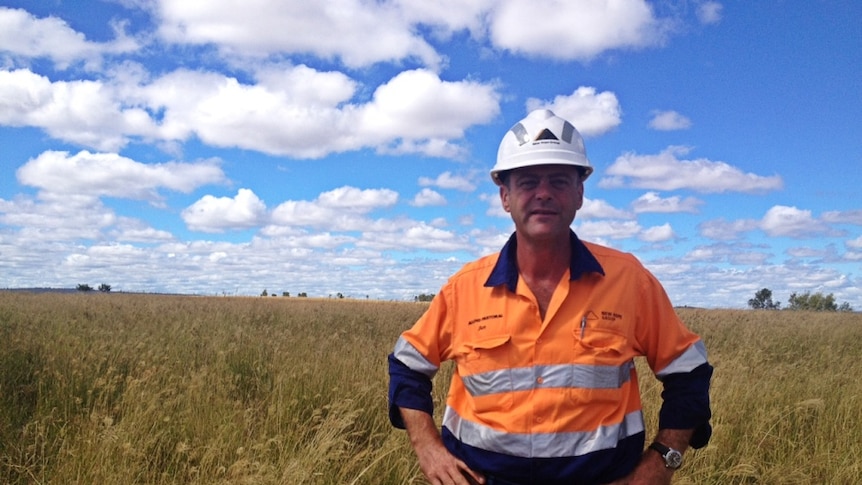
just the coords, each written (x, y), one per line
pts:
(114, 388)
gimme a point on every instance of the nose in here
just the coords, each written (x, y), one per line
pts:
(544, 189)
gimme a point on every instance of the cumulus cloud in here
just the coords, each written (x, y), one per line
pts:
(447, 180)
(295, 28)
(338, 209)
(570, 31)
(109, 174)
(427, 197)
(791, 222)
(653, 202)
(723, 230)
(655, 234)
(217, 214)
(24, 36)
(591, 112)
(591, 230)
(88, 113)
(669, 121)
(666, 171)
(601, 209)
(575, 30)
(414, 112)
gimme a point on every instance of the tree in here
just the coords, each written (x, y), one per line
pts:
(105, 288)
(763, 300)
(84, 287)
(816, 302)
(264, 293)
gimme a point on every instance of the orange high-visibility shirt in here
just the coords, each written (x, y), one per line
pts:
(562, 386)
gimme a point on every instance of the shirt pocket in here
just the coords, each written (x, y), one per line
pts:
(601, 366)
(599, 344)
(485, 369)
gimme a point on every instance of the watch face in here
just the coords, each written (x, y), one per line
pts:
(673, 459)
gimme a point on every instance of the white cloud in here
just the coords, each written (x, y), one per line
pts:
(722, 230)
(666, 171)
(709, 12)
(653, 202)
(791, 222)
(669, 121)
(88, 113)
(601, 209)
(25, 36)
(591, 230)
(339, 209)
(592, 113)
(447, 180)
(843, 217)
(217, 214)
(854, 243)
(574, 30)
(359, 33)
(657, 233)
(370, 33)
(109, 174)
(427, 197)
(417, 235)
(357, 200)
(414, 112)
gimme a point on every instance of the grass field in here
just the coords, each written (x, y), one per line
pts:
(112, 388)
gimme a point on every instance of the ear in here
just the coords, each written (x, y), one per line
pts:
(504, 197)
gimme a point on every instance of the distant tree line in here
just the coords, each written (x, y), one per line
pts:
(806, 301)
(104, 288)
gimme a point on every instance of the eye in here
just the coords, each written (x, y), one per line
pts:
(528, 183)
(560, 182)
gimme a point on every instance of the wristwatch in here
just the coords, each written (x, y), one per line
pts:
(672, 457)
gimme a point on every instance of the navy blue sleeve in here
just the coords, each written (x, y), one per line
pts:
(685, 403)
(407, 389)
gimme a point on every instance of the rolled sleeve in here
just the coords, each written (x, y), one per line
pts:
(407, 389)
(686, 403)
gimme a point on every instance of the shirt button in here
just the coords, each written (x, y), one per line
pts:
(540, 380)
(539, 419)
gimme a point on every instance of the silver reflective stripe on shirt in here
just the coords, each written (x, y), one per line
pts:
(693, 357)
(572, 376)
(412, 358)
(542, 445)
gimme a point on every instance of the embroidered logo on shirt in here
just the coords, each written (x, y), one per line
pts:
(611, 316)
(482, 319)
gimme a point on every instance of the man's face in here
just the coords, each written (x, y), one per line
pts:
(543, 199)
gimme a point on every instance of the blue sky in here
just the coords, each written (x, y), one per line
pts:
(343, 146)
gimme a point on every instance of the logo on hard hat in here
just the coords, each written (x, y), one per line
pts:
(546, 135)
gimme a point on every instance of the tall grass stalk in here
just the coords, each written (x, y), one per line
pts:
(113, 388)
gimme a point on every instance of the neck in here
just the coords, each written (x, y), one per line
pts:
(547, 259)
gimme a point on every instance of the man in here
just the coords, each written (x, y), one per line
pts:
(543, 335)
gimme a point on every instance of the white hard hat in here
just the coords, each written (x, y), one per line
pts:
(542, 138)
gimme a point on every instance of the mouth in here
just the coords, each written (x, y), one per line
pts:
(543, 212)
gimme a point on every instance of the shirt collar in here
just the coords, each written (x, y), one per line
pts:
(506, 269)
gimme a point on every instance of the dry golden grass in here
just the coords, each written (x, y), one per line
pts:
(111, 388)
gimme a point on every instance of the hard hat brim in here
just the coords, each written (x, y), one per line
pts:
(586, 169)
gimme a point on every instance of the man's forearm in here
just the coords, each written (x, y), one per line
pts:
(677, 439)
(420, 428)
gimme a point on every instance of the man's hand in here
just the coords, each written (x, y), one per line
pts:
(438, 465)
(651, 470)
